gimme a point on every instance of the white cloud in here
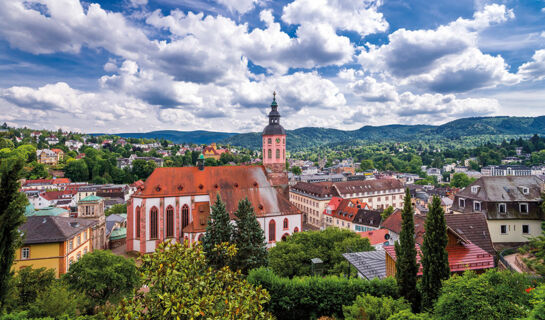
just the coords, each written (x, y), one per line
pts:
(371, 90)
(241, 6)
(535, 69)
(354, 15)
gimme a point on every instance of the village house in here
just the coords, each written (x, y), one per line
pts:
(213, 152)
(53, 242)
(52, 140)
(174, 203)
(62, 199)
(351, 214)
(45, 184)
(49, 157)
(127, 162)
(511, 205)
(73, 144)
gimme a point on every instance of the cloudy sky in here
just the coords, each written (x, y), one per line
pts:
(143, 65)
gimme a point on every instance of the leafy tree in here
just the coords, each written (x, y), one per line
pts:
(210, 162)
(406, 265)
(367, 307)
(536, 248)
(435, 267)
(12, 209)
(291, 257)
(494, 294)
(538, 302)
(249, 239)
(406, 314)
(58, 301)
(77, 170)
(116, 208)
(29, 282)
(142, 169)
(296, 170)
(460, 180)
(219, 230)
(103, 276)
(387, 212)
(184, 287)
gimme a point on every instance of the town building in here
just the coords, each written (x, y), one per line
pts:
(351, 214)
(63, 199)
(377, 238)
(127, 162)
(174, 204)
(378, 194)
(92, 208)
(312, 199)
(506, 170)
(49, 157)
(45, 184)
(213, 152)
(53, 242)
(511, 205)
(52, 140)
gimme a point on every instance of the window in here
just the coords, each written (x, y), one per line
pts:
(185, 216)
(170, 222)
(85, 235)
(78, 240)
(462, 203)
(25, 253)
(502, 208)
(277, 153)
(153, 223)
(138, 222)
(270, 153)
(525, 229)
(269, 140)
(523, 208)
(525, 190)
(85, 250)
(476, 206)
(474, 189)
(503, 229)
(286, 223)
(272, 231)
(71, 245)
(78, 256)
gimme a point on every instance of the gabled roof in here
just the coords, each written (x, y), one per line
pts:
(233, 183)
(473, 227)
(55, 195)
(375, 236)
(504, 189)
(370, 264)
(393, 223)
(50, 229)
(320, 189)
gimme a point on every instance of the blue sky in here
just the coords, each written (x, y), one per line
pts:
(142, 65)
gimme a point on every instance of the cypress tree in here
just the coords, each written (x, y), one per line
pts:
(249, 239)
(406, 265)
(218, 230)
(12, 215)
(435, 265)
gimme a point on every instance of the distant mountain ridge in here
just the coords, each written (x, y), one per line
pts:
(313, 136)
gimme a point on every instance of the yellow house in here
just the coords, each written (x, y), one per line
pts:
(53, 242)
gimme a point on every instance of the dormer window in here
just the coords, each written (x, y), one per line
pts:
(474, 189)
(476, 206)
(462, 203)
(502, 208)
(523, 208)
(524, 190)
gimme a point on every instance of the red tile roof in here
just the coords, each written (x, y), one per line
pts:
(53, 195)
(375, 236)
(48, 181)
(461, 257)
(57, 150)
(393, 223)
(345, 209)
(233, 183)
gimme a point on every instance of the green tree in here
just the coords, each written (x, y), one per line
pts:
(12, 209)
(219, 230)
(499, 295)
(116, 208)
(249, 239)
(367, 307)
(29, 282)
(406, 265)
(460, 180)
(184, 287)
(58, 301)
(406, 314)
(103, 276)
(77, 170)
(538, 302)
(142, 169)
(296, 170)
(291, 257)
(435, 267)
(387, 212)
(536, 248)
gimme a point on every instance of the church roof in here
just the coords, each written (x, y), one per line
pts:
(274, 127)
(233, 183)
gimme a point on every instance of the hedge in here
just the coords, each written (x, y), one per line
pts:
(313, 297)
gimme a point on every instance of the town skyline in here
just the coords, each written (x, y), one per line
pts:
(139, 66)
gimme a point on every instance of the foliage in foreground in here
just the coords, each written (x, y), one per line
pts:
(538, 302)
(367, 307)
(312, 297)
(182, 286)
(493, 295)
(291, 257)
(218, 230)
(536, 248)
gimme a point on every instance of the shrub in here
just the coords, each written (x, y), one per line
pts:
(313, 297)
(367, 307)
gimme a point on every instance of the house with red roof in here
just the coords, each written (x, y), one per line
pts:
(351, 214)
(212, 151)
(62, 199)
(377, 238)
(45, 184)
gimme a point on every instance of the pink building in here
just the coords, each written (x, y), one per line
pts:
(274, 146)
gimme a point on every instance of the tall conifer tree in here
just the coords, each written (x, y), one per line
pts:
(12, 215)
(406, 265)
(434, 254)
(249, 239)
(218, 230)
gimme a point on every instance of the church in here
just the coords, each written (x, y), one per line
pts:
(174, 203)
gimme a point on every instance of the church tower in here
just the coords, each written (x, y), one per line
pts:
(274, 147)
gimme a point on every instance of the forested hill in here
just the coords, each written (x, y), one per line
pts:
(198, 137)
(305, 137)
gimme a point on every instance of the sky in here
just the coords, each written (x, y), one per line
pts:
(145, 65)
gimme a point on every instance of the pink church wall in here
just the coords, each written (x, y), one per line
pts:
(274, 145)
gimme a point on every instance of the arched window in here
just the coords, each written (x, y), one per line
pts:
(170, 222)
(185, 216)
(137, 222)
(277, 153)
(284, 236)
(285, 226)
(153, 223)
(295, 230)
(270, 153)
(272, 231)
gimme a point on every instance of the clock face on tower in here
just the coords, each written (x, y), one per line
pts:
(277, 140)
